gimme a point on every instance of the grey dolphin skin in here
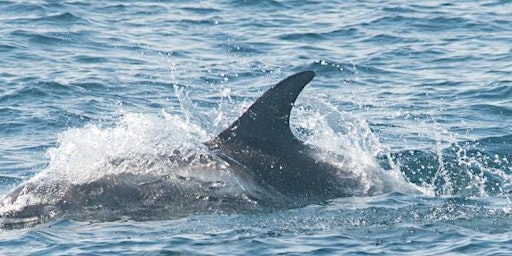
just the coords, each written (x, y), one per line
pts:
(261, 140)
(257, 161)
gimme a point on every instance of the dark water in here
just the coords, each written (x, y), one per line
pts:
(419, 91)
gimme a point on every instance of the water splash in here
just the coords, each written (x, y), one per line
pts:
(347, 141)
(458, 168)
(83, 153)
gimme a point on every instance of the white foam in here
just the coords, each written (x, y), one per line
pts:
(347, 141)
(83, 154)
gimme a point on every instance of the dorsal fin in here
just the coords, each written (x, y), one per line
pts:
(266, 124)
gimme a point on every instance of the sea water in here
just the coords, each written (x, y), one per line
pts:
(417, 93)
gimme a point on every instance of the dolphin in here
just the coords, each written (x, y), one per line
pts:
(257, 161)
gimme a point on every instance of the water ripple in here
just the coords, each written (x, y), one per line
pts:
(62, 19)
(429, 80)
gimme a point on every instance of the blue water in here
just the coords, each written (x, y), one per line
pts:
(419, 89)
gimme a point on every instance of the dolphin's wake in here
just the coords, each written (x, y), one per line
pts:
(256, 164)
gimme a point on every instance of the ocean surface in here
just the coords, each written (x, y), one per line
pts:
(418, 91)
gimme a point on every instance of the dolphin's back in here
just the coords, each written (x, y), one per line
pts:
(262, 142)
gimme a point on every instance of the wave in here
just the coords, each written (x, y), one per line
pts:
(61, 19)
